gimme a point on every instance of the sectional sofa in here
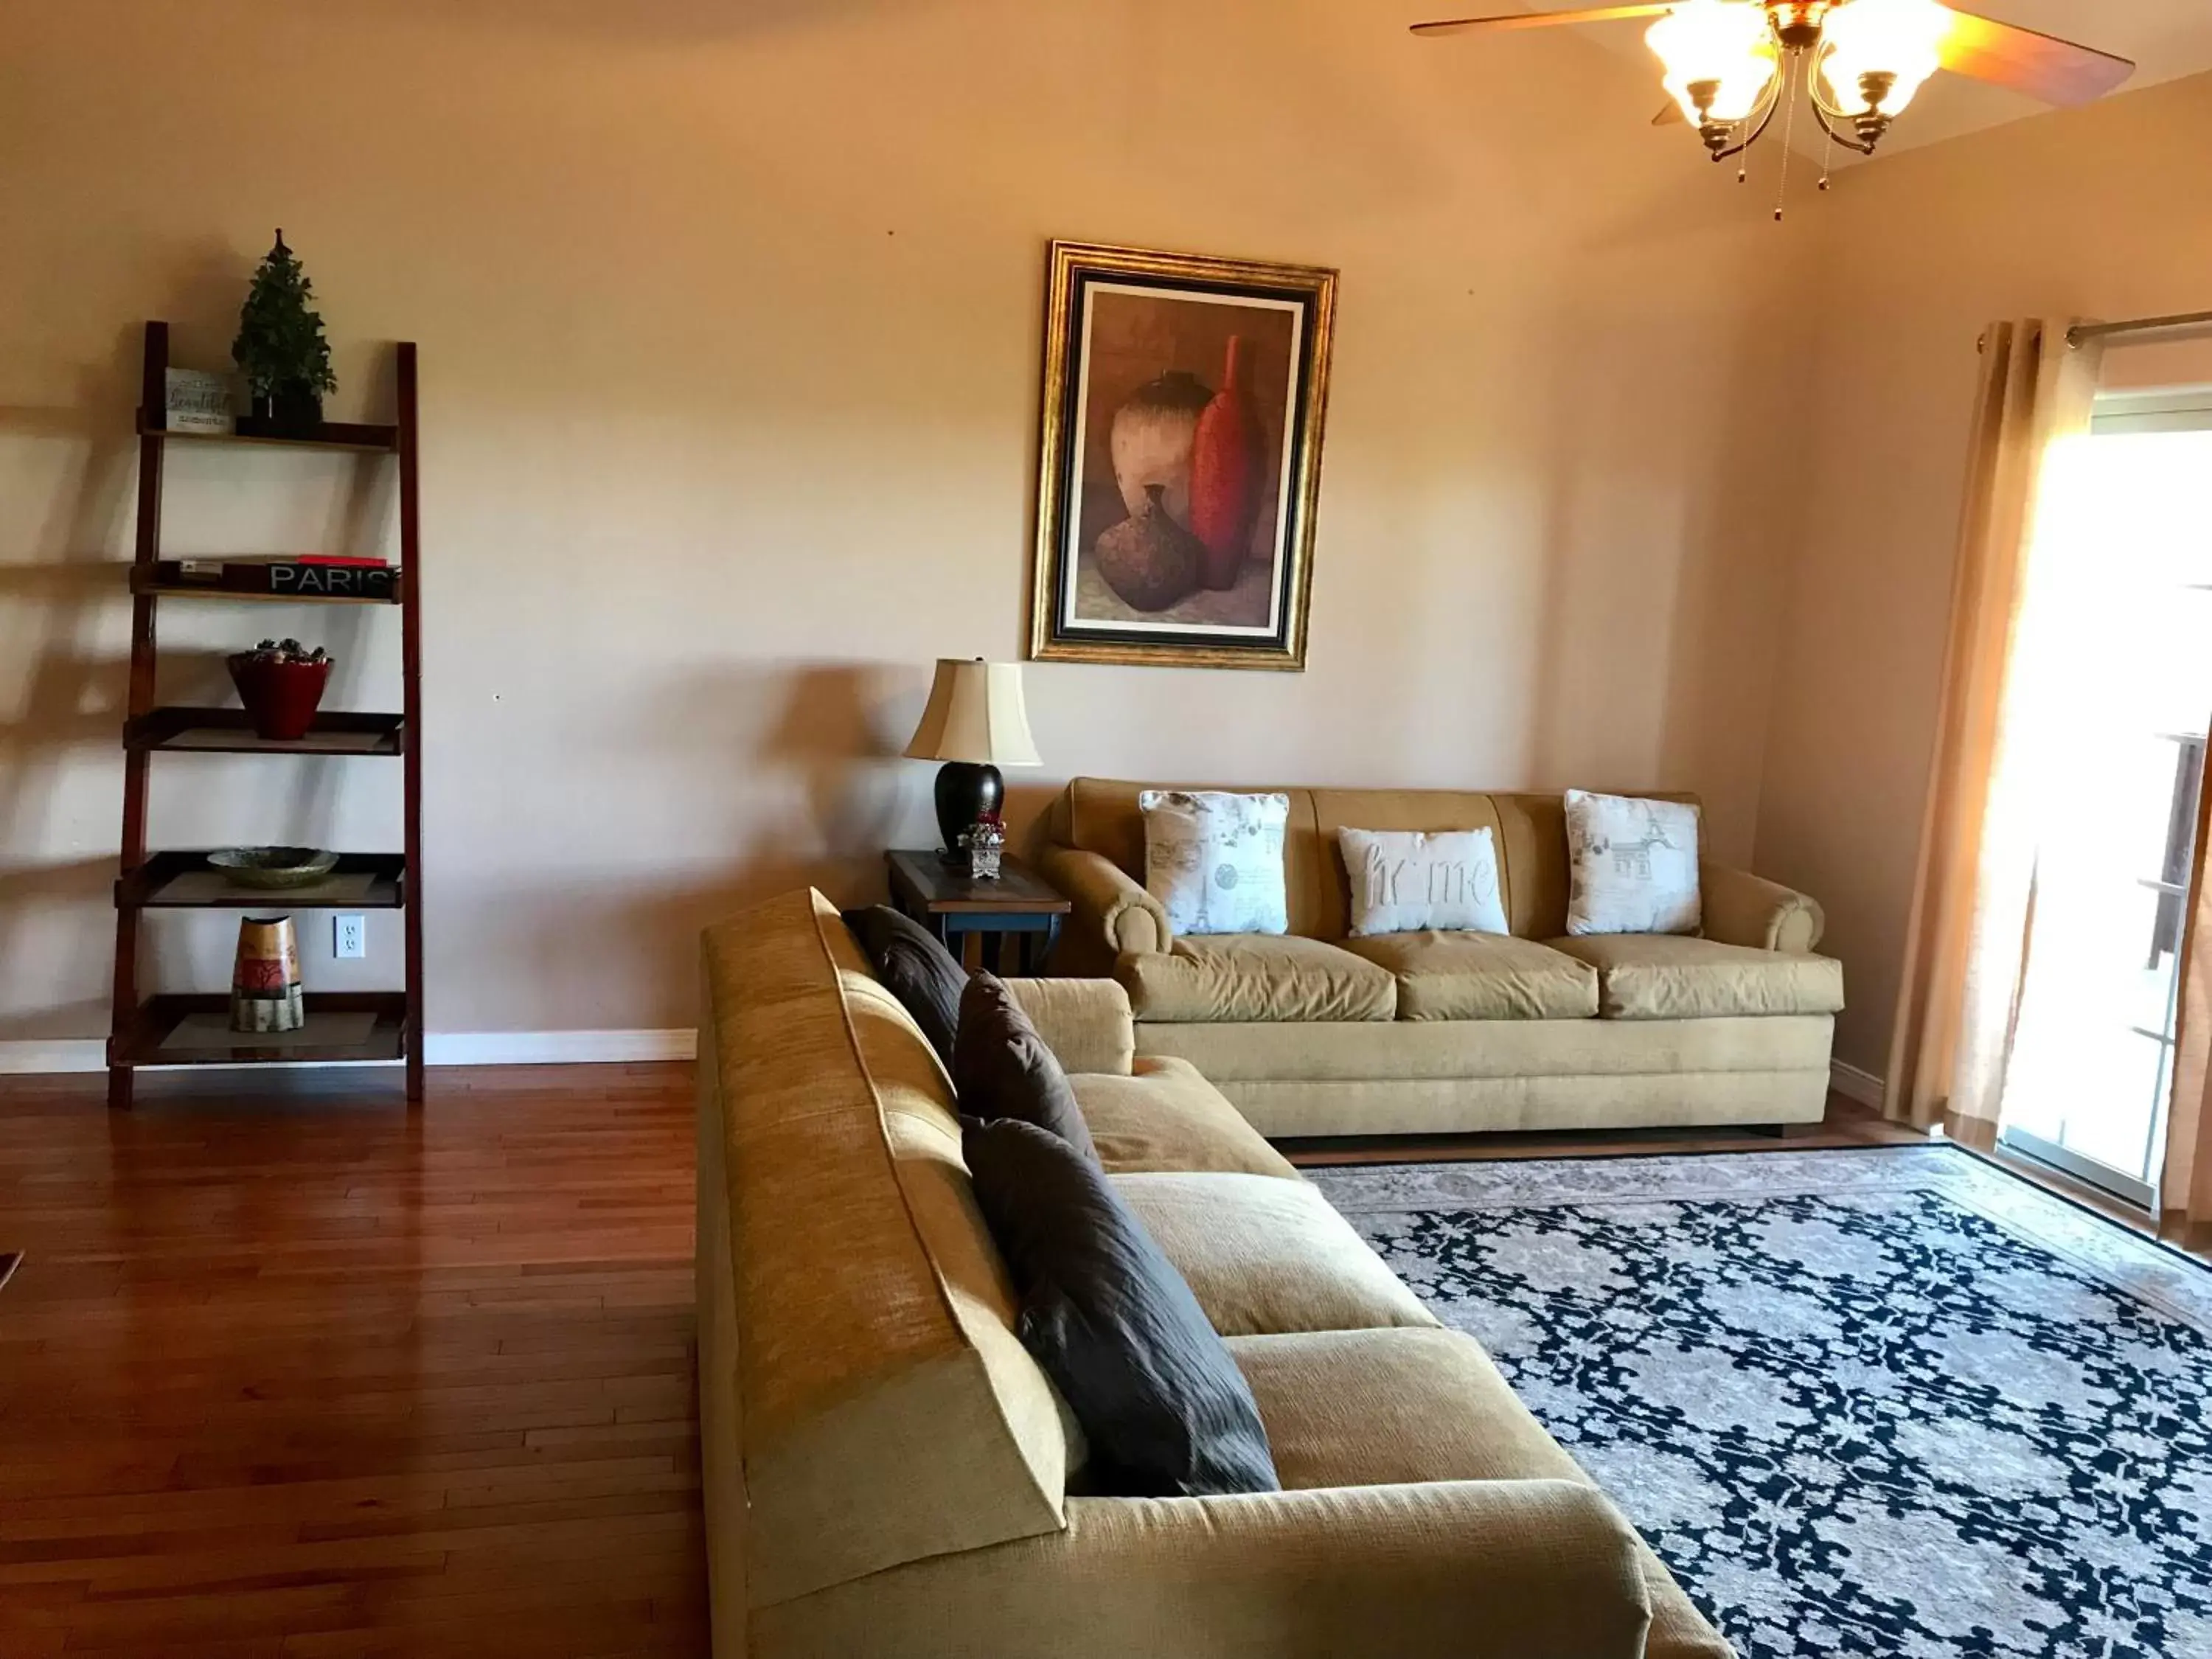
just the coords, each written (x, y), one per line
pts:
(889, 1473)
(1317, 1033)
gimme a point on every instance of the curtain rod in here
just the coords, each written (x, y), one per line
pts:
(2081, 331)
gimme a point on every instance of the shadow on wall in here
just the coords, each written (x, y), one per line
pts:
(69, 687)
(802, 761)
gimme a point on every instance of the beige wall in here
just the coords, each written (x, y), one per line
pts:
(2100, 212)
(729, 315)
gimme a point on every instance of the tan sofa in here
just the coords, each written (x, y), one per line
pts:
(889, 1473)
(1315, 1033)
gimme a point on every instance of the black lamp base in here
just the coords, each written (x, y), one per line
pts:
(965, 791)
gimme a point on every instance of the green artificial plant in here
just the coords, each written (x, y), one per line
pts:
(280, 345)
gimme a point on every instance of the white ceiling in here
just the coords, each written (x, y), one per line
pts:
(2167, 39)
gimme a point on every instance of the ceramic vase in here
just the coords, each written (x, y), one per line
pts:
(265, 994)
(280, 698)
(1151, 442)
(1224, 473)
(1149, 560)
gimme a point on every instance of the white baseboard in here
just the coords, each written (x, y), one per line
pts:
(557, 1047)
(445, 1049)
(56, 1055)
(1852, 1084)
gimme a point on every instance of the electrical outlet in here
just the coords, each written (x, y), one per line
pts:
(349, 936)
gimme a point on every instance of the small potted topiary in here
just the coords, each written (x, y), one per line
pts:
(281, 350)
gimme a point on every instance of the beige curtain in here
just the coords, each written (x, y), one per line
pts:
(2185, 1195)
(1974, 896)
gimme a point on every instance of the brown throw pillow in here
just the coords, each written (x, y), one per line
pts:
(914, 968)
(1165, 1410)
(1002, 1068)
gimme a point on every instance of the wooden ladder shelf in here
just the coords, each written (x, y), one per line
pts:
(145, 1027)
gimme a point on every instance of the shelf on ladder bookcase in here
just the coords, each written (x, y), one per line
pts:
(177, 880)
(324, 435)
(343, 1027)
(177, 730)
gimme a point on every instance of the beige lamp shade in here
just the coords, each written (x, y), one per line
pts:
(975, 714)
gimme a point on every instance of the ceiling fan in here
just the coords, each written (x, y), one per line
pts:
(1731, 64)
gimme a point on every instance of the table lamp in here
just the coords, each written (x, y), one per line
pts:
(975, 724)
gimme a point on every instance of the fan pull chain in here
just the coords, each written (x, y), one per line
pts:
(1827, 156)
(1789, 131)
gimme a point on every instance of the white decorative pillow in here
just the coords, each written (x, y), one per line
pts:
(1634, 864)
(1215, 861)
(1404, 880)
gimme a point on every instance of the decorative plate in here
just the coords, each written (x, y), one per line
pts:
(271, 867)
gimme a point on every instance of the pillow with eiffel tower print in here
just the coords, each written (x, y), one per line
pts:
(1634, 865)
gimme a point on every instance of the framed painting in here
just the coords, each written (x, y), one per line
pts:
(1180, 458)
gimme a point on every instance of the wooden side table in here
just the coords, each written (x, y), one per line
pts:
(952, 904)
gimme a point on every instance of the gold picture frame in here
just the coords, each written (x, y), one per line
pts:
(1179, 459)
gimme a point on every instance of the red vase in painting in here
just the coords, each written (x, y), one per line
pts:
(1225, 474)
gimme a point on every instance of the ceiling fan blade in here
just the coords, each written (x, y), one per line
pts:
(1671, 116)
(2041, 65)
(1540, 19)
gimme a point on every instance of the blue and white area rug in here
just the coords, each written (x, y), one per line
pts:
(1888, 1401)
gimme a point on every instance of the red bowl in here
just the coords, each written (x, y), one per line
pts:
(280, 698)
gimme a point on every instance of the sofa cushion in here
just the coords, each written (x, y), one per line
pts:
(1658, 976)
(1167, 1117)
(1263, 1253)
(1002, 1068)
(1254, 978)
(1481, 976)
(1084, 1021)
(914, 968)
(1361, 1408)
(1166, 1412)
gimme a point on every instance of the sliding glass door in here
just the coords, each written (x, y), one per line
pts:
(2127, 654)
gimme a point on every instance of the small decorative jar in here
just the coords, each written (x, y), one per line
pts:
(281, 684)
(986, 845)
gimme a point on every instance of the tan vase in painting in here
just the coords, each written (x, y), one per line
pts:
(1151, 442)
(265, 988)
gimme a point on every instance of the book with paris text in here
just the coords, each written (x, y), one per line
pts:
(302, 575)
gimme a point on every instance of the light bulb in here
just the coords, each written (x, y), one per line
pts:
(1727, 43)
(1901, 38)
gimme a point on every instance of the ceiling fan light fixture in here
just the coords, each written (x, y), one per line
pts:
(1719, 57)
(1878, 54)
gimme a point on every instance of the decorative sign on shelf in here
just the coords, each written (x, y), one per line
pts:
(199, 402)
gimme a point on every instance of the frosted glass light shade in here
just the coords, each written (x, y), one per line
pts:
(1902, 37)
(976, 713)
(1725, 41)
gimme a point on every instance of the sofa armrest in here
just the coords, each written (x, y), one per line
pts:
(1469, 1569)
(1084, 1021)
(1111, 910)
(1742, 908)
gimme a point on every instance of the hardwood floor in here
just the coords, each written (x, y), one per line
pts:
(292, 1372)
(306, 1374)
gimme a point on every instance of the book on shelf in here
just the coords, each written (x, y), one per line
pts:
(309, 575)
